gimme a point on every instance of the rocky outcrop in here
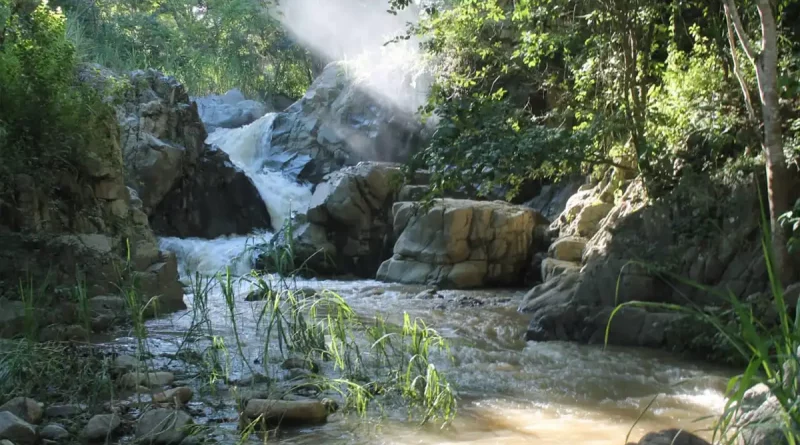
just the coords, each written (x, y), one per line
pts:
(185, 187)
(229, 110)
(629, 248)
(90, 233)
(339, 123)
(461, 243)
(216, 199)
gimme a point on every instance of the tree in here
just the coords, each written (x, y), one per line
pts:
(765, 62)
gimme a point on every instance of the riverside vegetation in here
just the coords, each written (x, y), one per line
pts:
(527, 93)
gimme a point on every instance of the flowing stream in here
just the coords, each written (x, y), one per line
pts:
(510, 391)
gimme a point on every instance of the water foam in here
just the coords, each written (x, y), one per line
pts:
(248, 148)
(209, 257)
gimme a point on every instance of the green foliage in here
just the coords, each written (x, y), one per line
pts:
(544, 88)
(45, 118)
(211, 46)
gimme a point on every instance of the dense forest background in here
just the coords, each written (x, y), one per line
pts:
(523, 90)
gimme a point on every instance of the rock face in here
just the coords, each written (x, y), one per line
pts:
(339, 123)
(230, 110)
(217, 199)
(186, 188)
(82, 232)
(707, 230)
(461, 243)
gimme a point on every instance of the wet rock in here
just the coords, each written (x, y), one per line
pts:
(54, 432)
(151, 379)
(428, 294)
(101, 428)
(26, 409)
(300, 363)
(251, 380)
(59, 333)
(16, 430)
(124, 363)
(286, 412)
(179, 396)
(338, 123)
(461, 244)
(258, 295)
(672, 437)
(6, 442)
(163, 426)
(62, 411)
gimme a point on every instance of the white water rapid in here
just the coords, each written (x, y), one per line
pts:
(249, 149)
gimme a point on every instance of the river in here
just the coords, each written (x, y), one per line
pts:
(510, 391)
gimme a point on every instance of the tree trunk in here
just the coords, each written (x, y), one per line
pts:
(777, 171)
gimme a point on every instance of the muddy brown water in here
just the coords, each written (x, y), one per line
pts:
(510, 391)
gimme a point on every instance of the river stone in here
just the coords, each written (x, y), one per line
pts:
(101, 427)
(54, 432)
(294, 412)
(300, 363)
(568, 249)
(152, 379)
(125, 363)
(16, 430)
(672, 437)
(163, 426)
(6, 442)
(26, 409)
(182, 395)
(461, 243)
(60, 411)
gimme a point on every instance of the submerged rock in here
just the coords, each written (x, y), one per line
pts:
(461, 244)
(16, 430)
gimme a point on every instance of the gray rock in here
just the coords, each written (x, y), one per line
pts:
(62, 411)
(552, 268)
(300, 363)
(287, 412)
(26, 409)
(230, 110)
(163, 426)
(339, 123)
(672, 437)
(101, 428)
(54, 432)
(16, 430)
(151, 379)
(179, 396)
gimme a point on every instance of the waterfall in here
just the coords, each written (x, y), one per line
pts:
(248, 148)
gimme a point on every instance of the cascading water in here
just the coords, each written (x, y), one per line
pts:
(249, 149)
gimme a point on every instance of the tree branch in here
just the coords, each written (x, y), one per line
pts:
(733, 13)
(737, 71)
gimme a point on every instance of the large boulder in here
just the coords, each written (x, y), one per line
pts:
(229, 110)
(706, 231)
(461, 243)
(162, 135)
(340, 122)
(16, 430)
(217, 199)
